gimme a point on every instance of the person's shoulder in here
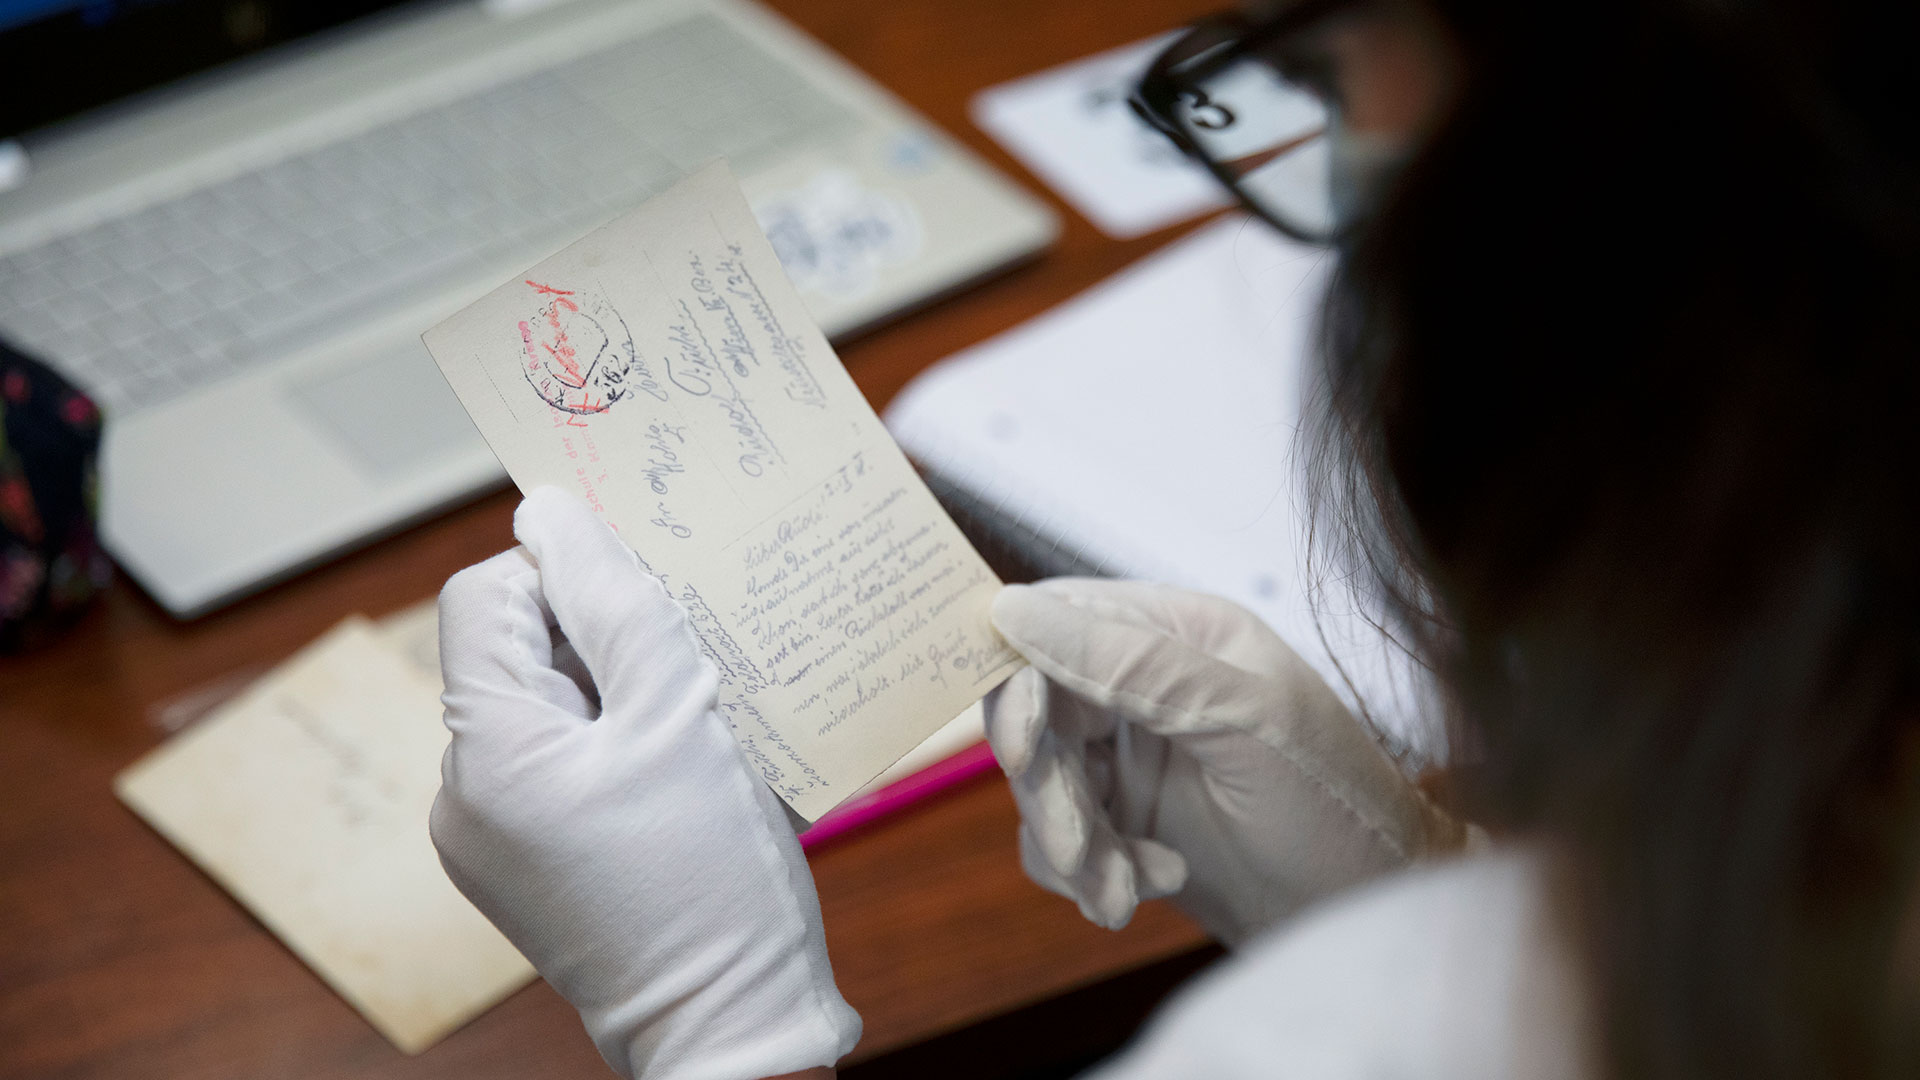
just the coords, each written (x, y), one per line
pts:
(1450, 969)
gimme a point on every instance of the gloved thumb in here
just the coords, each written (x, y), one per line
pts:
(1211, 624)
(1016, 718)
(633, 638)
(1103, 647)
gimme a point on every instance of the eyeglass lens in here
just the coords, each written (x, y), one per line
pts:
(1269, 135)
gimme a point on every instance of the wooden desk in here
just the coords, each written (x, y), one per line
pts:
(119, 959)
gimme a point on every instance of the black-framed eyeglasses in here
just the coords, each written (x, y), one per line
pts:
(1262, 116)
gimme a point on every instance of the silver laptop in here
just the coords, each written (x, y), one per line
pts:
(238, 264)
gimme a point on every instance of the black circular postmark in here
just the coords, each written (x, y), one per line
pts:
(579, 354)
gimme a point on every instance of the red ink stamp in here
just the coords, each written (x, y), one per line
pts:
(579, 353)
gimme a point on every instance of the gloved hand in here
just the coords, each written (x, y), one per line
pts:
(1167, 743)
(620, 839)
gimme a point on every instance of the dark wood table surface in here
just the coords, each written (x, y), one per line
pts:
(119, 959)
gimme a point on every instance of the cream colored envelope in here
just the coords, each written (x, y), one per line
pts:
(306, 797)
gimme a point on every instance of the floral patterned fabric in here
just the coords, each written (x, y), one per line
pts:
(51, 563)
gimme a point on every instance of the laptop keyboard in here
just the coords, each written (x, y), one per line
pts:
(144, 307)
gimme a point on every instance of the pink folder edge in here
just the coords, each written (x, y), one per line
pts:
(867, 809)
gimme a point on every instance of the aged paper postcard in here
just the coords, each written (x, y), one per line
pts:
(306, 797)
(663, 369)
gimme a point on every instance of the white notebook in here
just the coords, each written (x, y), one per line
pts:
(1146, 429)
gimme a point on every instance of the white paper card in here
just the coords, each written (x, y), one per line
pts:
(1071, 126)
(414, 634)
(306, 797)
(664, 369)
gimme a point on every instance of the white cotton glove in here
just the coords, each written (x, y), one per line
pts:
(1167, 743)
(623, 844)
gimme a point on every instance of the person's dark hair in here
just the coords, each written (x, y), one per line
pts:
(1623, 388)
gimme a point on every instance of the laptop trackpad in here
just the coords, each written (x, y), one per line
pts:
(392, 410)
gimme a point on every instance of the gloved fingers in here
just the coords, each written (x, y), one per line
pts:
(1078, 720)
(1034, 862)
(1211, 624)
(1104, 894)
(1163, 685)
(1137, 763)
(632, 636)
(1024, 709)
(1118, 873)
(499, 752)
(496, 653)
(1054, 805)
(493, 621)
(453, 838)
(1064, 783)
(1097, 765)
(1119, 868)
(1161, 871)
(1099, 650)
(1016, 713)
(567, 663)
